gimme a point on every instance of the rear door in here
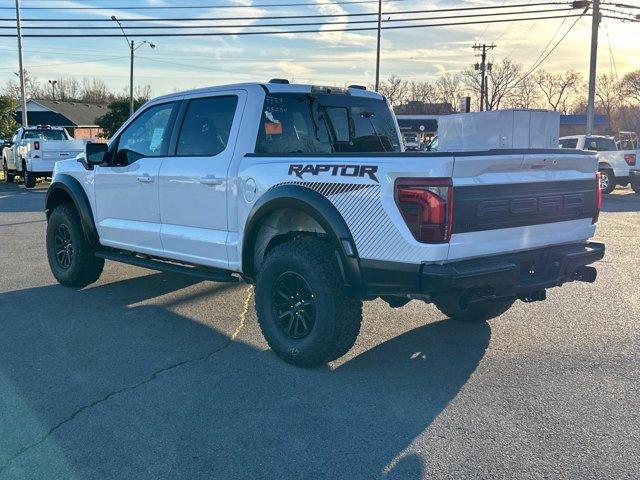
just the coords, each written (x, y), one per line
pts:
(507, 201)
(126, 189)
(194, 179)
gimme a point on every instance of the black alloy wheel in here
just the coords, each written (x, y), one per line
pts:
(294, 305)
(63, 245)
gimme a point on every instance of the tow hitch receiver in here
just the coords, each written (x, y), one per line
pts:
(537, 296)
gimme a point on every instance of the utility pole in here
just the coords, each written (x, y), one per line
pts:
(25, 119)
(132, 48)
(378, 47)
(131, 80)
(53, 88)
(595, 23)
(482, 66)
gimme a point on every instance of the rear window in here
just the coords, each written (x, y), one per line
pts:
(325, 123)
(568, 143)
(600, 144)
(44, 134)
(206, 126)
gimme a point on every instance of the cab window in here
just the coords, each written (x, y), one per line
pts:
(206, 126)
(147, 136)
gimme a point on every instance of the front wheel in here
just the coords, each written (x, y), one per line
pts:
(71, 256)
(477, 311)
(303, 310)
(8, 177)
(607, 181)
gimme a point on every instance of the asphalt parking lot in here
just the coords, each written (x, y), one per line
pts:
(152, 375)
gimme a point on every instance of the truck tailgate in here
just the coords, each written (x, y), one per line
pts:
(506, 202)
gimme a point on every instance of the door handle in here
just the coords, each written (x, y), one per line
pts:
(211, 180)
(145, 179)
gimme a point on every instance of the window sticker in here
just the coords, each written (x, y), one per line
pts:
(156, 139)
(272, 126)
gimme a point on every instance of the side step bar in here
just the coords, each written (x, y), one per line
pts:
(208, 273)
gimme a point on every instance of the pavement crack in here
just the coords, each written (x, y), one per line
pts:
(149, 379)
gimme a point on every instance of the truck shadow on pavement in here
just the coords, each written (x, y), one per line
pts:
(12, 198)
(94, 385)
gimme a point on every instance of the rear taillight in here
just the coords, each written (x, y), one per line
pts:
(426, 205)
(36, 145)
(630, 158)
(596, 213)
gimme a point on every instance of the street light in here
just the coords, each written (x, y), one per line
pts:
(133, 48)
(53, 87)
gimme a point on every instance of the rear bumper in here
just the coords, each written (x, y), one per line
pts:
(509, 274)
(634, 177)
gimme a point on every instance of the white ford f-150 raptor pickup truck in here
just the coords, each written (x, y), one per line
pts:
(33, 151)
(305, 192)
(613, 164)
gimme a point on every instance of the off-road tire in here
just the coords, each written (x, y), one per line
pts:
(609, 180)
(8, 177)
(478, 311)
(29, 178)
(337, 315)
(84, 268)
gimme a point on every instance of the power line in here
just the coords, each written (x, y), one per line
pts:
(360, 14)
(204, 7)
(345, 22)
(283, 32)
(540, 62)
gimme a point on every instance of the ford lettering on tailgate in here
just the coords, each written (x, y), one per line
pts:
(490, 207)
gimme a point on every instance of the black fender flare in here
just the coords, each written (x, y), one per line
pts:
(66, 186)
(319, 208)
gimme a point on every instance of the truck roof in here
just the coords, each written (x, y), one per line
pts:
(276, 87)
(41, 127)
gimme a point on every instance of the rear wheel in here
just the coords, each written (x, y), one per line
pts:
(477, 311)
(304, 313)
(8, 177)
(71, 256)
(28, 177)
(607, 181)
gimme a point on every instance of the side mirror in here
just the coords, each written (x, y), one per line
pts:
(94, 154)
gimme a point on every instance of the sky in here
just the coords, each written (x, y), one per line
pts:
(326, 58)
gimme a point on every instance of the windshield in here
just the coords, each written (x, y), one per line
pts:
(325, 123)
(44, 134)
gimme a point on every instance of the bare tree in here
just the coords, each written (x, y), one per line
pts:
(558, 88)
(607, 95)
(630, 85)
(502, 78)
(33, 88)
(524, 95)
(395, 89)
(450, 88)
(95, 91)
(422, 92)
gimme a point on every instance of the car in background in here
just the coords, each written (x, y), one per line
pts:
(613, 164)
(411, 142)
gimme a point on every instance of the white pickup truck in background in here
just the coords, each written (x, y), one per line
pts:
(33, 151)
(613, 164)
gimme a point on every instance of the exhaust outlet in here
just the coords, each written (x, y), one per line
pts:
(585, 274)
